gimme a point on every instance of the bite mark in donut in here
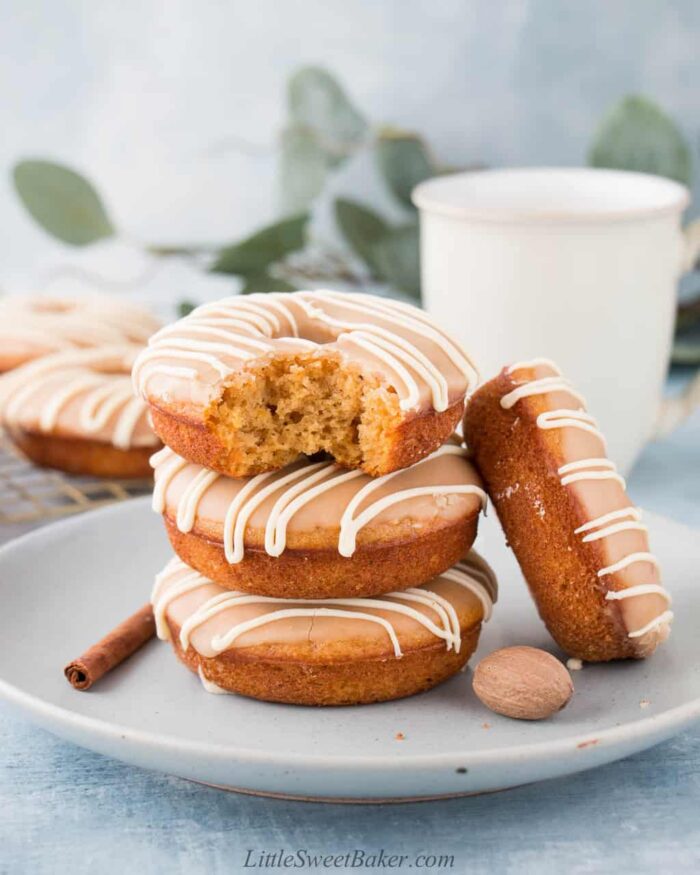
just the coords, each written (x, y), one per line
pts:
(246, 384)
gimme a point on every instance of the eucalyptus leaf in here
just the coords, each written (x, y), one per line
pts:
(398, 259)
(264, 282)
(184, 308)
(317, 101)
(62, 201)
(686, 351)
(404, 161)
(638, 135)
(253, 255)
(362, 229)
(302, 168)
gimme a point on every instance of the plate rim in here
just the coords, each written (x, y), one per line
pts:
(656, 725)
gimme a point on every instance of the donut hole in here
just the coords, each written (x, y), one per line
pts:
(271, 412)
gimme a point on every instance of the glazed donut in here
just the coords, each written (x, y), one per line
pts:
(315, 530)
(337, 652)
(31, 327)
(75, 411)
(245, 385)
(566, 514)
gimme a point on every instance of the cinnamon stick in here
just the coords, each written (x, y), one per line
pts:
(111, 650)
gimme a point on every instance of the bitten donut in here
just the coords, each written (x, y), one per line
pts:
(315, 530)
(246, 384)
(31, 326)
(75, 411)
(563, 506)
(336, 652)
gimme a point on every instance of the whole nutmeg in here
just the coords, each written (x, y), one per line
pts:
(523, 682)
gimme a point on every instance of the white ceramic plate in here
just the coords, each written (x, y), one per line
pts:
(65, 585)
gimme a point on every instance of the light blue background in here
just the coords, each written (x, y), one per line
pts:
(173, 107)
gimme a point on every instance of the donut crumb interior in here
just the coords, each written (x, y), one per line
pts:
(305, 403)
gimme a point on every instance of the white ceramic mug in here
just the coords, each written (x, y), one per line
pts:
(578, 265)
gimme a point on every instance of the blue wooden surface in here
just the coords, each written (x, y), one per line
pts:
(65, 810)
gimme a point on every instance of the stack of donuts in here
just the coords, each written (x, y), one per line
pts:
(322, 509)
(321, 512)
(65, 393)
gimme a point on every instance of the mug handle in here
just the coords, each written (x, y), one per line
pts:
(674, 410)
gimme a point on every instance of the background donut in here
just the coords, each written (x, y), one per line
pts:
(34, 326)
(75, 411)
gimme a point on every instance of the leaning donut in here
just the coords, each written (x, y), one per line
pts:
(579, 540)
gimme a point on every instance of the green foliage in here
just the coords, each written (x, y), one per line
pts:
(404, 161)
(62, 201)
(302, 169)
(398, 258)
(324, 130)
(253, 255)
(184, 308)
(638, 135)
(265, 282)
(318, 103)
(362, 229)
(686, 347)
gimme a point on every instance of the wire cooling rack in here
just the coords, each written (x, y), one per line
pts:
(31, 494)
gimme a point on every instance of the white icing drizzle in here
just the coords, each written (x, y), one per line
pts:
(210, 686)
(633, 512)
(239, 329)
(297, 488)
(383, 352)
(535, 363)
(172, 464)
(662, 620)
(187, 508)
(640, 589)
(628, 560)
(88, 375)
(600, 468)
(540, 387)
(410, 317)
(613, 530)
(569, 419)
(177, 579)
(54, 323)
(475, 584)
(589, 469)
(223, 642)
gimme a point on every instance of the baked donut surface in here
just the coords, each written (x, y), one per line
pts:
(246, 384)
(337, 652)
(565, 512)
(75, 411)
(34, 326)
(316, 530)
